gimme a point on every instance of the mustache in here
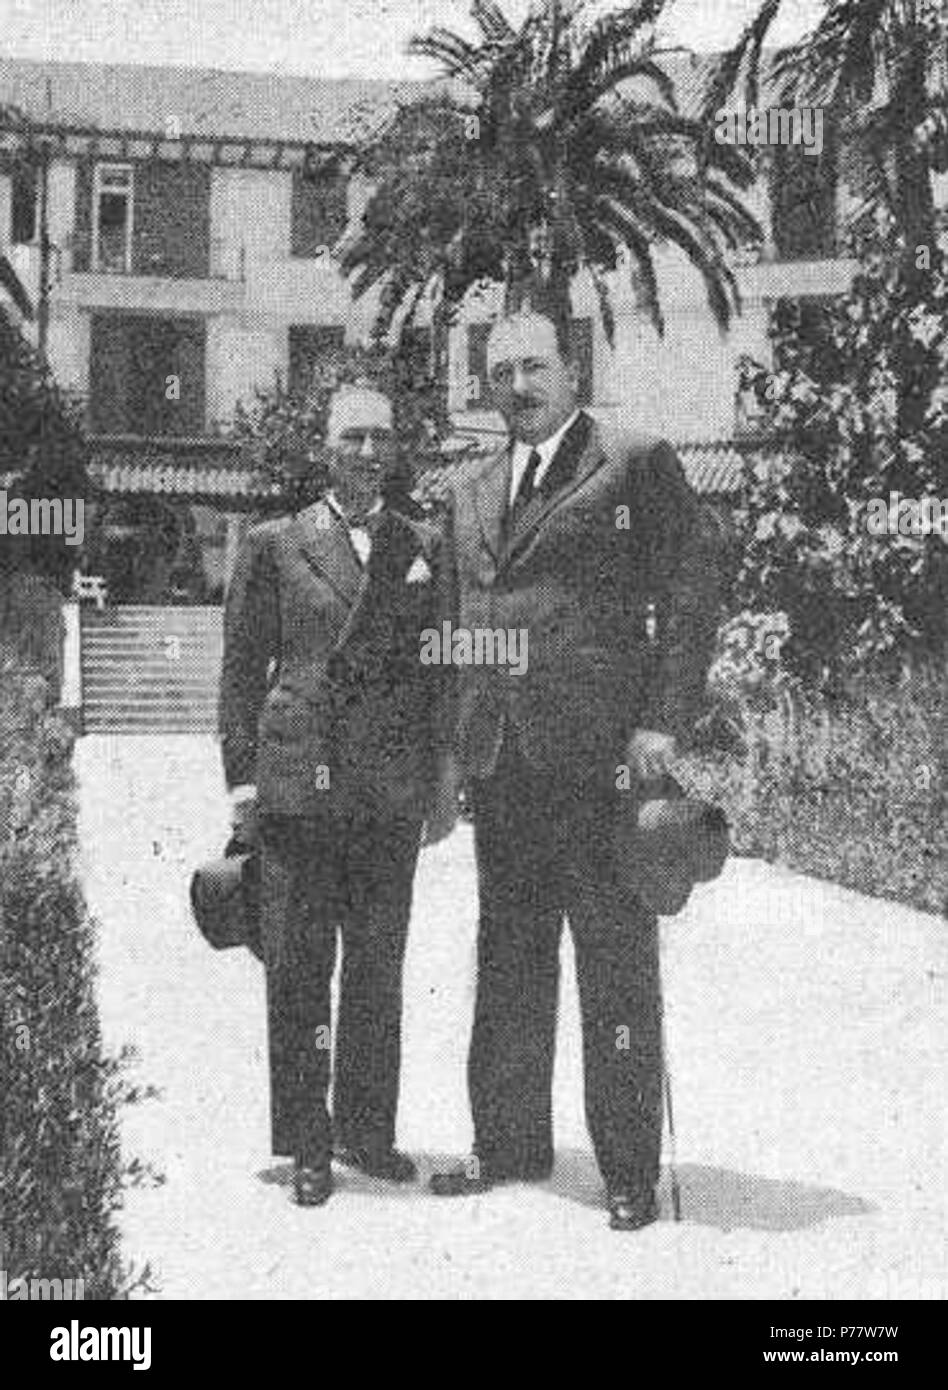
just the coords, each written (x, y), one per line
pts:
(526, 402)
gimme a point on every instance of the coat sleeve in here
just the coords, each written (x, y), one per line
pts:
(444, 564)
(684, 568)
(251, 642)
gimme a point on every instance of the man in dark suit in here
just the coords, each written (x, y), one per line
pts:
(325, 719)
(587, 543)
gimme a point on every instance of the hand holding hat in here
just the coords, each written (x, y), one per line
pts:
(666, 842)
(225, 900)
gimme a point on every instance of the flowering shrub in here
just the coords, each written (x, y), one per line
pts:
(858, 401)
(747, 667)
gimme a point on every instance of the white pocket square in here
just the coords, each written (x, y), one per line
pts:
(419, 572)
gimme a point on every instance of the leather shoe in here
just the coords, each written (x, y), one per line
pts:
(477, 1176)
(390, 1164)
(630, 1211)
(312, 1183)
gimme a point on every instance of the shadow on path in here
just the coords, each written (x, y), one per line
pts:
(721, 1198)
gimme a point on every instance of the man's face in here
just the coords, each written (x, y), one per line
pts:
(361, 443)
(531, 385)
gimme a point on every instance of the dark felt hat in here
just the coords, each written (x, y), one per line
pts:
(225, 902)
(666, 843)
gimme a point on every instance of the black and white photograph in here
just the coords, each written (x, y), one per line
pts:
(473, 662)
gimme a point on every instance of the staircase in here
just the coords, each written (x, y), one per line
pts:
(150, 670)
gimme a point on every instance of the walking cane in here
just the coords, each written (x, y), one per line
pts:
(672, 1155)
(651, 632)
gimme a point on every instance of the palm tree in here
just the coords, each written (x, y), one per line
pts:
(9, 280)
(550, 148)
(879, 70)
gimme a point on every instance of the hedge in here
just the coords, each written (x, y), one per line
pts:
(60, 1166)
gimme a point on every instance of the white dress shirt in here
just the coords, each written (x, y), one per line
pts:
(361, 540)
(546, 450)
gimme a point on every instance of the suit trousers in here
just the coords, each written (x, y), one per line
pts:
(350, 873)
(545, 849)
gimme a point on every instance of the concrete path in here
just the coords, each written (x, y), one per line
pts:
(806, 1035)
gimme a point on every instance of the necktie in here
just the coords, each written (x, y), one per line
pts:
(525, 490)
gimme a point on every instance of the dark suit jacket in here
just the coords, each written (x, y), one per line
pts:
(580, 585)
(314, 672)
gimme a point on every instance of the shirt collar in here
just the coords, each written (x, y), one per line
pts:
(333, 503)
(548, 448)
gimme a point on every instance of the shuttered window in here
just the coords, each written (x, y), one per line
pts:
(803, 202)
(318, 210)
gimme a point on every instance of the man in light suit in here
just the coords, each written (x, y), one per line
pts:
(585, 542)
(325, 717)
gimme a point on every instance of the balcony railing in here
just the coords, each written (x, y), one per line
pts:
(226, 261)
(204, 468)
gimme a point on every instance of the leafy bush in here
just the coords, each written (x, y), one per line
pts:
(43, 451)
(60, 1170)
(31, 624)
(858, 399)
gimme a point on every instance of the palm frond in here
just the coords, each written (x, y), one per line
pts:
(629, 233)
(686, 231)
(581, 97)
(454, 54)
(11, 282)
(610, 38)
(735, 163)
(837, 62)
(492, 22)
(743, 57)
(605, 304)
(746, 226)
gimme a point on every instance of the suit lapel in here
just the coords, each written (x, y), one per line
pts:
(579, 455)
(491, 492)
(326, 546)
(400, 540)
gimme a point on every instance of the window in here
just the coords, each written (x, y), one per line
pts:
(318, 210)
(147, 375)
(310, 343)
(23, 206)
(803, 202)
(476, 386)
(581, 337)
(172, 231)
(112, 218)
